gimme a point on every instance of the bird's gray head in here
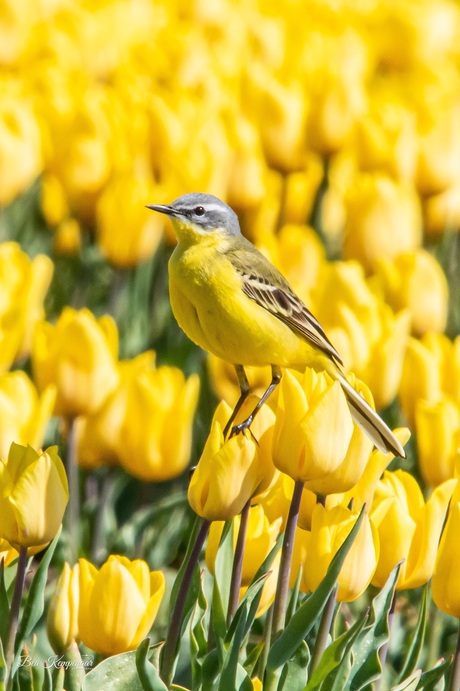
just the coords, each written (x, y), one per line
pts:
(204, 211)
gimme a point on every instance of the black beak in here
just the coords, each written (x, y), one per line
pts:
(162, 208)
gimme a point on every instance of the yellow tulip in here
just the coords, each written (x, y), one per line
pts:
(442, 212)
(329, 529)
(67, 238)
(261, 536)
(299, 254)
(77, 355)
(100, 435)
(445, 586)
(232, 471)
(437, 425)
(438, 165)
(24, 283)
(53, 200)
(431, 370)
(415, 281)
(385, 137)
(7, 553)
(247, 174)
(118, 604)
(224, 381)
(23, 413)
(281, 108)
(20, 147)
(409, 529)
(383, 220)
(33, 496)
(315, 440)
(119, 247)
(62, 615)
(156, 431)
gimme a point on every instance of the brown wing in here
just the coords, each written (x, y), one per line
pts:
(264, 284)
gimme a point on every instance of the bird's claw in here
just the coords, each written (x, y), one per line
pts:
(243, 428)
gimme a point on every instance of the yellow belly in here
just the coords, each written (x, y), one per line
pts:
(209, 305)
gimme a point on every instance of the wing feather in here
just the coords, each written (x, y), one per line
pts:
(270, 290)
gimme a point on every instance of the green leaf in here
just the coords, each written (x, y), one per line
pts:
(223, 566)
(198, 638)
(210, 670)
(306, 616)
(335, 659)
(366, 664)
(418, 636)
(148, 674)
(35, 602)
(430, 679)
(294, 674)
(230, 665)
(117, 673)
(409, 684)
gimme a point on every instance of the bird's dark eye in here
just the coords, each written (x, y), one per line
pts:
(199, 211)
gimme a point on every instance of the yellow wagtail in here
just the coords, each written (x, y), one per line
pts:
(231, 301)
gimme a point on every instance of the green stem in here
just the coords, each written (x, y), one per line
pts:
(237, 569)
(280, 221)
(323, 631)
(454, 681)
(168, 654)
(72, 515)
(13, 620)
(282, 587)
(316, 215)
(98, 546)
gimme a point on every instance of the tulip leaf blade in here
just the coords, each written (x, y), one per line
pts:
(35, 603)
(294, 674)
(308, 613)
(198, 637)
(223, 567)
(116, 673)
(418, 636)
(430, 679)
(366, 663)
(148, 673)
(335, 663)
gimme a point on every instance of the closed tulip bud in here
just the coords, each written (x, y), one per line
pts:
(383, 220)
(431, 370)
(118, 604)
(445, 586)
(441, 212)
(276, 501)
(337, 101)
(315, 440)
(100, 435)
(383, 370)
(409, 529)
(261, 536)
(299, 255)
(156, 432)
(247, 174)
(53, 200)
(415, 281)
(438, 164)
(20, 147)
(33, 496)
(77, 355)
(231, 471)
(437, 425)
(23, 283)
(119, 247)
(282, 125)
(299, 553)
(329, 530)
(23, 413)
(385, 138)
(67, 238)
(62, 615)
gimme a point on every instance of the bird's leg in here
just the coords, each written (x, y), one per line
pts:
(244, 391)
(243, 426)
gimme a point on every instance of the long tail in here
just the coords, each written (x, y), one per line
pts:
(371, 423)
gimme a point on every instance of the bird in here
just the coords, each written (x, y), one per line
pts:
(233, 302)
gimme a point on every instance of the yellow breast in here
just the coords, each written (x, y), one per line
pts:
(208, 302)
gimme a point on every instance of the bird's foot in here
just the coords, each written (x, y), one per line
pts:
(243, 428)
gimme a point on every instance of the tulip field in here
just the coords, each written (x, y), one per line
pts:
(141, 547)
